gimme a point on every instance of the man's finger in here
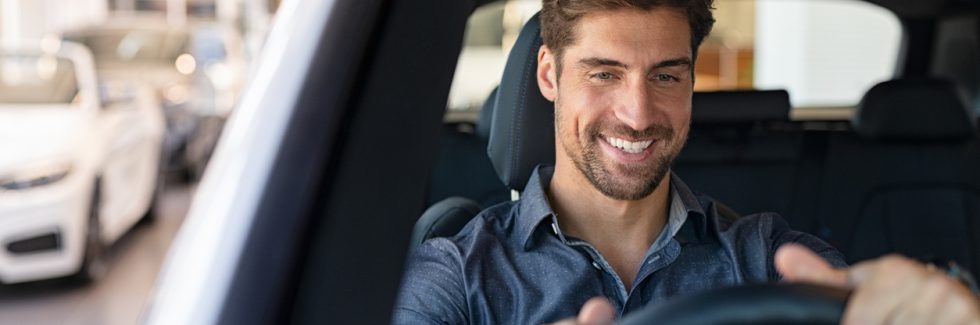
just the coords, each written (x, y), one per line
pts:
(597, 311)
(798, 264)
(881, 288)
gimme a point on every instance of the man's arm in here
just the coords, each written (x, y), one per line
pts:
(432, 290)
(781, 234)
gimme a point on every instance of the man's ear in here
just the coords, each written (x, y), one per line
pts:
(547, 73)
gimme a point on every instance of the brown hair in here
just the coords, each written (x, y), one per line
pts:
(558, 18)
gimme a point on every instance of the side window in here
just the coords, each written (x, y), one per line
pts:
(490, 33)
(825, 53)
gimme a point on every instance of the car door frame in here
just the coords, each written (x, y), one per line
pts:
(306, 213)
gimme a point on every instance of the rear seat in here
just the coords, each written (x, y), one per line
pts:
(908, 179)
(743, 150)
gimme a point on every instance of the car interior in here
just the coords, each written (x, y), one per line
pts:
(900, 177)
(328, 242)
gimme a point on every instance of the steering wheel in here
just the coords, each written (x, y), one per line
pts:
(752, 304)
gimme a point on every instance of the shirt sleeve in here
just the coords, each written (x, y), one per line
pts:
(782, 234)
(432, 290)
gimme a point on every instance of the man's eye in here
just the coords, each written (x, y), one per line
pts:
(602, 75)
(665, 77)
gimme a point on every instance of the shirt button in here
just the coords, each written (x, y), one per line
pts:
(596, 265)
(554, 228)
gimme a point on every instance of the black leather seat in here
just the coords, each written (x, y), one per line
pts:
(513, 149)
(907, 180)
(463, 168)
(444, 219)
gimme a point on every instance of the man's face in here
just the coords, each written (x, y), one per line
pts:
(622, 98)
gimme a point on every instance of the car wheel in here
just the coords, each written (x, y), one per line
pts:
(94, 264)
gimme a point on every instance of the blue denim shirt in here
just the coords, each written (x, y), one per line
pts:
(513, 265)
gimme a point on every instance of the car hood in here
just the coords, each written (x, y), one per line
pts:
(28, 134)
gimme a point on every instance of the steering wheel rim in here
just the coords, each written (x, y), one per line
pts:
(779, 303)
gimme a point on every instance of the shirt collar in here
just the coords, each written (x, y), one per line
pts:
(534, 206)
(696, 216)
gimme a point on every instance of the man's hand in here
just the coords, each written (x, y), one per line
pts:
(596, 311)
(888, 290)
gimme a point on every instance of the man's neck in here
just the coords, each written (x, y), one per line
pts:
(621, 230)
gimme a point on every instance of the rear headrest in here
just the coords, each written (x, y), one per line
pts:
(928, 109)
(486, 116)
(740, 106)
(522, 133)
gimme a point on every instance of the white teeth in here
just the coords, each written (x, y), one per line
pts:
(627, 146)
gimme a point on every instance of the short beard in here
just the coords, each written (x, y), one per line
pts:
(591, 166)
(589, 160)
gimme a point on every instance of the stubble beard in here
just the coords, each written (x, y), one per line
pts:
(638, 180)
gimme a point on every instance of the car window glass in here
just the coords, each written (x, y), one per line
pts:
(490, 32)
(826, 53)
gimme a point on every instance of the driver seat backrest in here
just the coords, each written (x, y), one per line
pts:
(521, 136)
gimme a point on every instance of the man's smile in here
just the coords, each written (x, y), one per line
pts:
(627, 151)
(629, 146)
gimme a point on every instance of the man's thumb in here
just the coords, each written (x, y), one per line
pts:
(798, 264)
(597, 311)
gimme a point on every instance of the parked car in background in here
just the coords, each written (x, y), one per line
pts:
(80, 164)
(196, 70)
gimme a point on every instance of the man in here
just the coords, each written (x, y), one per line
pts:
(610, 221)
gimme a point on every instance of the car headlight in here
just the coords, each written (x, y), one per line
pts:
(35, 176)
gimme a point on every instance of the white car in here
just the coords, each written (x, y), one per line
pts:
(79, 166)
(196, 70)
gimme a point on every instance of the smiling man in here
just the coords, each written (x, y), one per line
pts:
(609, 219)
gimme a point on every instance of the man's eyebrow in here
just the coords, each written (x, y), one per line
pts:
(673, 63)
(597, 61)
(594, 62)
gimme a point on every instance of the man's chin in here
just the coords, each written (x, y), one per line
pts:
(625, 188)
(625, 194)
(630, 182)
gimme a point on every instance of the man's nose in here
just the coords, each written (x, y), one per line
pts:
(636, 107)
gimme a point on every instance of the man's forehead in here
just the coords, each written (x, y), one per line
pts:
(632, 35)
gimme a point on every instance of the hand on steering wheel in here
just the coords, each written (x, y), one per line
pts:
(887, 290)
(892, 289)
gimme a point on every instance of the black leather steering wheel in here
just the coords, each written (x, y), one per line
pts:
(752, 304)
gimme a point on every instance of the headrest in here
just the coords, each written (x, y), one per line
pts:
(928, 109)
(486, 116)
(522, 133)
(740, 106)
